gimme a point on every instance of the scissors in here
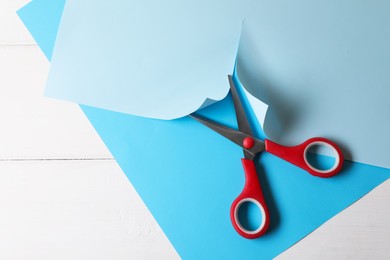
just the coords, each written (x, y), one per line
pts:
(252, 146)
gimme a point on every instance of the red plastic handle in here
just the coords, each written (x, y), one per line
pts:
(297, 155)
(251, 193)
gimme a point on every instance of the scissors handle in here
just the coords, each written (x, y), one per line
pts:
(298, 155)
(251, 193)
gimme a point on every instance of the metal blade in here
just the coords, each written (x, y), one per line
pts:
(242, 120)
(233, 135)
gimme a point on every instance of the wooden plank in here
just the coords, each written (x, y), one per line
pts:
(12, 30)
(75, 210)
(33, 126)
(360, 232)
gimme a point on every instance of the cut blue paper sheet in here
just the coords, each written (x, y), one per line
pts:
(193, 175)
(322, 66)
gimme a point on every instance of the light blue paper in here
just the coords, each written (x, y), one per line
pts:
(321, 66)
(188, 176)
(135, 63)
(323, 69)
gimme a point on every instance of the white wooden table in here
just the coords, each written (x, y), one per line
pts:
(62, 195)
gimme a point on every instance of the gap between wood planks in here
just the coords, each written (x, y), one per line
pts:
(18, 45)
(55, 159)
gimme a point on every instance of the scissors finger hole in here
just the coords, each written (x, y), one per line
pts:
(321, 157)
(250, 216)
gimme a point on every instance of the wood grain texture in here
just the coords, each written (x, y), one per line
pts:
(12, 30)
(75, 210)
(33, 126)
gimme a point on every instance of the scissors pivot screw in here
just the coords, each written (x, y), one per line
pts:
(248, 142)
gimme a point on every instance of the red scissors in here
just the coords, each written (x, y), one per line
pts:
(296, 155)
